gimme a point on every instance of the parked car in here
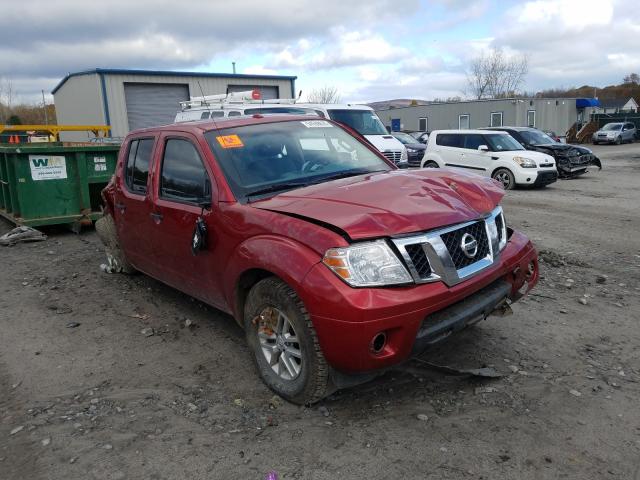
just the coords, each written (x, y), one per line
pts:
(415, 149)
(422, 137)
(571, 160)
(552, 135)
(492, 154)
(617, 133)
(336, 263)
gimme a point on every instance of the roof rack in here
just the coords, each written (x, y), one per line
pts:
(248, 96)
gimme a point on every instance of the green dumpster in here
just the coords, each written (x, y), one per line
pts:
(53, 183)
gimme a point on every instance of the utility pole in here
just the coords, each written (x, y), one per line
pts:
(44, 107)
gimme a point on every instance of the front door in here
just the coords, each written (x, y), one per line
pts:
(181, 187)
(133, 204)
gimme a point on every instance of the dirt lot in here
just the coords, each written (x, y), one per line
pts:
(102, 400)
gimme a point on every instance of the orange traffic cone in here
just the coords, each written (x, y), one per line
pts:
(17, 139)
(11, 139)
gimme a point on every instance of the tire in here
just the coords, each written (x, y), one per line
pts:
(619, 140)
(505, 177)
(274, 313)
(430, 164)
(116, 259)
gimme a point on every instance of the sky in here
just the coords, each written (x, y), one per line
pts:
(369, 50)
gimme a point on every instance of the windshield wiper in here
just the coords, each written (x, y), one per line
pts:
(277, 187)
(347, 173)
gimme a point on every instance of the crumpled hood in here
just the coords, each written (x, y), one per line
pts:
(391, 203)
(562, 149)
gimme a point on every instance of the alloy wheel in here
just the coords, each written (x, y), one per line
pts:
(279, 343)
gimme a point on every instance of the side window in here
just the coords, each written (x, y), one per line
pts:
(204, 115)
(234, 113)
(137, 170)
(183, 174)
(449, 140)
(217, 114)
(473, 141)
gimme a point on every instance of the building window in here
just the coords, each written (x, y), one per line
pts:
(423, 124)
(463, 121)
(496, 119)
(531, 118)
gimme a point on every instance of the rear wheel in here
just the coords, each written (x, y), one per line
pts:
(284, 343)
(505, 177)
(430, 164)
(116, 259)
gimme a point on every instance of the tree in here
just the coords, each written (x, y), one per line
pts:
(632, 78)
(496, 75)
(326, 94)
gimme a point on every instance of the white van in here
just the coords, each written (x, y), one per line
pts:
(359, 117)
(492, 154)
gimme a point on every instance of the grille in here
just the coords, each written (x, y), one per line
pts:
(452, 242)
(393, 155)
(499, 226)
(419, 259)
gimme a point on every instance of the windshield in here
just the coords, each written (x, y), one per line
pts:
(503, 143)
(405, 138)
(536, 137)
(612, 126)
(272, 157)
(365, 122)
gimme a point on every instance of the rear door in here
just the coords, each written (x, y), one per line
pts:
(133, 202)
(182, 175)
(448, 148)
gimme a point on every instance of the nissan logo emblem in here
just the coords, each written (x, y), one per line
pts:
(469, 245)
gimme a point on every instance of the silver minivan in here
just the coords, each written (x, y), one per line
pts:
(618, 132)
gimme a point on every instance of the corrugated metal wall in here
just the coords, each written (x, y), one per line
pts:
(549, 115)
(79, 102)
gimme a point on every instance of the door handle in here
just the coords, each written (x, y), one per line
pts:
(157, 217)
(120, 206)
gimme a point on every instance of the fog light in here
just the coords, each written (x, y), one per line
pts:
(378, 343)
(530, 271)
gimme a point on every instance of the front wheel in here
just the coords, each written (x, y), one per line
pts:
(284, 343)
(619, 140)
(430, 164)
(505, 177)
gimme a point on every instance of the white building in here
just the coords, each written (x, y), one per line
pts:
(131, 99)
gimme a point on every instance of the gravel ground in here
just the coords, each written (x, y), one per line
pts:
(85, 394)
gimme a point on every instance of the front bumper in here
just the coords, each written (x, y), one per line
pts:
(574, 166)
(535, 177)
(347, 319)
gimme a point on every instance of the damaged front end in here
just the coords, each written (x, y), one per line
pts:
(572, 160)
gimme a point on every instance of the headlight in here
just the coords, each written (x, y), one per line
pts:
(411, 150)
(370, 264)
(525, 162)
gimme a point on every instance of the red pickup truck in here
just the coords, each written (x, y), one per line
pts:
(336, 263)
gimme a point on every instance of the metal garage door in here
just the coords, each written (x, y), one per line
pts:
(268, 92)
(151, 104)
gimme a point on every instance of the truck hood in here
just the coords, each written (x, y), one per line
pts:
(385, 143)
(391, 203)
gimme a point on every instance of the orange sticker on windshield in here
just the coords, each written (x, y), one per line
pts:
(230, 141)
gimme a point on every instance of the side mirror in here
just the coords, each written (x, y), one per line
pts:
(483, 148)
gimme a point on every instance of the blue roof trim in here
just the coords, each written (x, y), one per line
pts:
(124, 71)
(587, 102)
